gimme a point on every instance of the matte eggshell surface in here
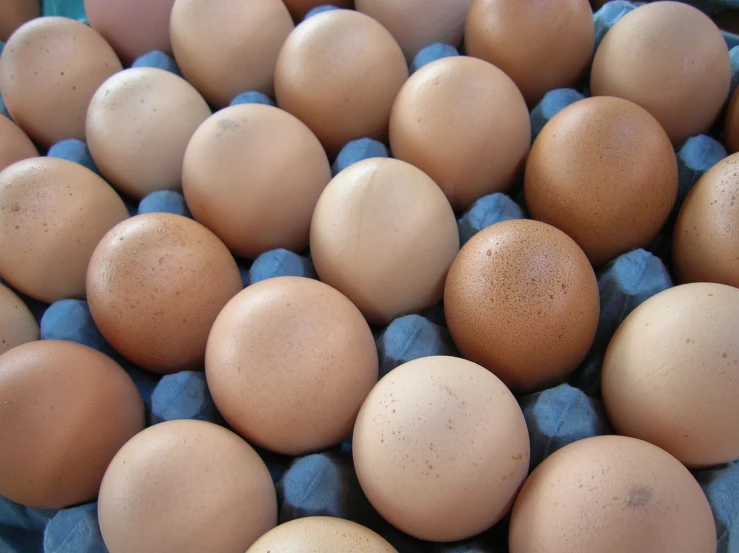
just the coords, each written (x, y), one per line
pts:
(14, 13)
(603, 171)
(611, 494)
(66, 410)
(671, 373)
(441, 447)
(186, 486)
(17, 324)
(14, 144)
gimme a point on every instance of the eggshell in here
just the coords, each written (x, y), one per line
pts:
(298, 8)
(54, 212)
(289, 362)
(731, 125)
(155, 285)
(465, 124)
(611, 494)
(339, 72)
(66, 410)
(384, 235)
(441, 447)
(419, 23)
(138, 126)
(17, 324)
(670, 375)
(522, 300)
(132, 27)
(672, 60)
(603, 171)
(14, 13)
(49, 70)
(325, 534)
(541, 45)
(186, 486)
(253, 174)
(225, 47)
(14, 144)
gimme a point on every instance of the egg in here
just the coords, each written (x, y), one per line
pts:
(603, 171)
(419, 23)
(139, 123)
(155, 285)
(14, 144)
(289, 362)
(185, 486)
(339, 72)
(17, 324)
(225, 47)
(731, 125)
(66, 410)
(670, 373)
(54, 212)
(672, 60)
(440, 448)
(132, 28)
(541, 45)
(465, 124)
(299, 8)
(521, 299)
(253, 174)
(49, 70)
(611, 494)
(384, 234)
(14, 13)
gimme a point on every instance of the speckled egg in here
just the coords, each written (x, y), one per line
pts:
(17, 324)
(14, 13)
(14, 144)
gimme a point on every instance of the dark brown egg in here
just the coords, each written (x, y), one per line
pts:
(731, 125)
(14, 13)
(14, 144)
(298, 8)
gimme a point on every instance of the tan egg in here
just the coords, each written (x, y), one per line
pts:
(132, 28)
(672, 60)
(14, 13)
(253, 174)
(155, 285)
(186, 486)
(384, 235)
(17, 324)
(66, 410)
(603, 171)
(731, 125)
(298, 8)
(441, 447)
(522, 300)
(225, 47)
(706, 236)
(49, 70)
(14, 144)
(416, 24)
(671, 373)
(138, 126)
(54, 212)
(339, 73)
(325, 534)
(611, 494)
(541, 45)
(465, 124)
(289, 362)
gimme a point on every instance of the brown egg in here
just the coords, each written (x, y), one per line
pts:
(384, 234)
(541, 45)
(670, 373)
(441, 447)
(54, 212)
(465, 124)
(339, 73)
(672, 60)
(138, 126)
(419, 23)
(132, 28)
(155, 285)
(186, 486)
(603, 171)
(225, 47)
(17, 325)
(66, 410)
(298, 8)
(289, 362)
(324, 534)
(253, 174)
(14, 13)
(611, 494)
(522, 300)
(14, 144)
(49, 70)
(731, 125)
